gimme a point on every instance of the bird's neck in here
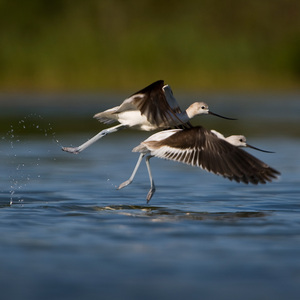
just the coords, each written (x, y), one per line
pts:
(190, 112)
(183, 116)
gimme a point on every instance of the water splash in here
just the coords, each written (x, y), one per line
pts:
(21, 172)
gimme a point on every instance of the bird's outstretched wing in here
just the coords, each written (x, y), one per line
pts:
(153, 103)
(200, 147)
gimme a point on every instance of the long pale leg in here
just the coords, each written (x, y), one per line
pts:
(91, 141)
(127, 182)
(152, 187)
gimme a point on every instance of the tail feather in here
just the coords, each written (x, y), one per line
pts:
(140, 148)
(108, 116)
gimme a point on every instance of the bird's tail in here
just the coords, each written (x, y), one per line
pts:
(140, 148)
(108, 116)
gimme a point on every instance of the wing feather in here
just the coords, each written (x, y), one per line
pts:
(152, 102)
(200, 147)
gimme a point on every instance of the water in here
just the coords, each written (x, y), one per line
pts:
(67, 233)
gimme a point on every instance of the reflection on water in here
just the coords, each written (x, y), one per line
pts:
(166, 214)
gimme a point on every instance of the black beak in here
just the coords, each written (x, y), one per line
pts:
(211, 113)
(259, 149)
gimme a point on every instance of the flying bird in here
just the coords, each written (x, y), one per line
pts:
(203, 148)
(151, 108)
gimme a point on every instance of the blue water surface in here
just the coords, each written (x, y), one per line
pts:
(68, 233)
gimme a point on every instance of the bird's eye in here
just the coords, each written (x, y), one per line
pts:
(241, 140)
(202, 107)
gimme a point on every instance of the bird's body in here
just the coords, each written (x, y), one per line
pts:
(200, 147)
(151, 108)
(133, 119)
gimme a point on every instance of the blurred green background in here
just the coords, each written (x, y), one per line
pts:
(61, 61)
(118, 45)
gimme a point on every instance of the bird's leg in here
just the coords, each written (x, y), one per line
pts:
(127, 182)
(91, 141)
(152, 187)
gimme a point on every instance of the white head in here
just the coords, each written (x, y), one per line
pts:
(197, 108)
(201, 108)
(237, 140)
(240, 141)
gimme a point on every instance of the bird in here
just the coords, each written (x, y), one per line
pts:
(198, 146)
(152, 108)
(238, 141)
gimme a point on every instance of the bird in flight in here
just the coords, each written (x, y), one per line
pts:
(151, 108)
(203, 148)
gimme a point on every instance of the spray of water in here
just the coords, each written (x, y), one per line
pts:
(20, 173)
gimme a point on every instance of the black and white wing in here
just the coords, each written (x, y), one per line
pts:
(200, 147)
(152, 102)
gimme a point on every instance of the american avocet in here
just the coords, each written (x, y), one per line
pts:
(200, 147)
(238, 141)
(151, 108)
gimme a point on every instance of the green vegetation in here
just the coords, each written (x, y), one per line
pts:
(63, 45)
